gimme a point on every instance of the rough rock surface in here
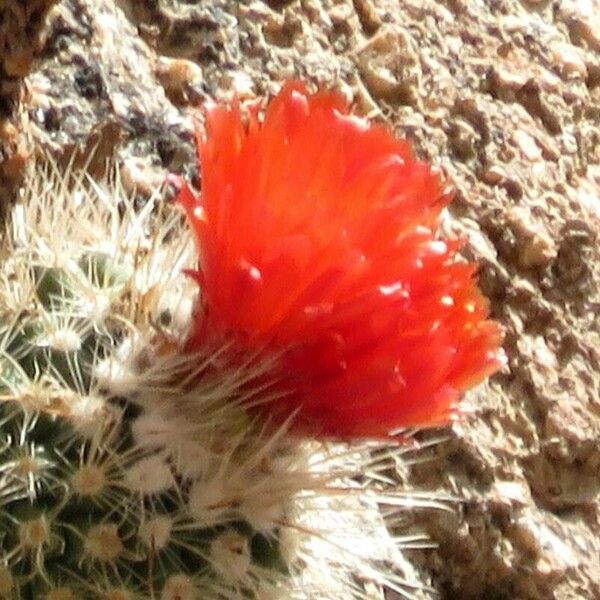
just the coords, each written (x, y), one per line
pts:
(504, 95)
(21, 35)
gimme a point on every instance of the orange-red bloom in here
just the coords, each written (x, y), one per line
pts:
(317, 239)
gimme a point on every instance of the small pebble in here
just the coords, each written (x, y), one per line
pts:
(527, 145)
(178, 76)
(570, 59)
(536, 247)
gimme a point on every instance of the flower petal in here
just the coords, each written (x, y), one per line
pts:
(317, 240)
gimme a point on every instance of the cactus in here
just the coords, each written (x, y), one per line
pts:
(164, 440)
(131, 469)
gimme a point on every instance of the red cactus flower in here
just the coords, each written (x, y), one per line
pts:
(317, 239)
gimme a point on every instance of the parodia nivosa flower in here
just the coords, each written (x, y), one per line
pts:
(317, 241)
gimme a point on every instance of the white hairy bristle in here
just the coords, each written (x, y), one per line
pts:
(192, 460)
(115, 377)
(89, 480)
(179, 587)
(91, 414)
(230, 556)
(151, 431)
(35, 533)
(156, 532)
(65, 340)
(210, 501)
(61, 593)
(103, 543)
(117, 594)
(150, 475)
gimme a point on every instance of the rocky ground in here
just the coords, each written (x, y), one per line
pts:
(504, 95)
